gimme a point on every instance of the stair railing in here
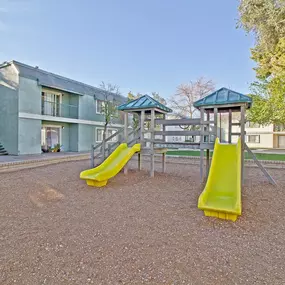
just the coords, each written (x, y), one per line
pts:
(107, 147)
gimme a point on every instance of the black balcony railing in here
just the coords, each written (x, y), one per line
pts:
(59, 110)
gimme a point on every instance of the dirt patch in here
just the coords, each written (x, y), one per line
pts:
(39, 198)
(54, 229)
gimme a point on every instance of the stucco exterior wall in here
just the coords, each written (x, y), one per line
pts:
(29, 136)
(70, 107)
(29, 96)
(264, 132)
(21, 116)
(86, 137)
(9, 109)
(266, 141)
(87, 109)
(73, 137)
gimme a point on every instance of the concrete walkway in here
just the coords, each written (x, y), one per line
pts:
(266, 151)
(269, 151)
(6, 159)
(13, 162)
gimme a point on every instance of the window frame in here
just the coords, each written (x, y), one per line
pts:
(247, 139)
(97, 105)
(53, 105)
(113, 130)
(116, 114)
(53, 127)
(190, 139)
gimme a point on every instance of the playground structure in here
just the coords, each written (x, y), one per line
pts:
(222, 194)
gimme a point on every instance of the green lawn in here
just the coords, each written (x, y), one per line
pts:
(260, 156)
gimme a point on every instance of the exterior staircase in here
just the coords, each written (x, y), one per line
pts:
(3, 150)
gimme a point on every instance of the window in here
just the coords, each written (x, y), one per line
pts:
(252, 139)
(252, 125)
(51, 104)
(212, 139)
(50, 136)
(100, 106)
(189, 138)
(110, 133)
(99, 135)
(116, 113)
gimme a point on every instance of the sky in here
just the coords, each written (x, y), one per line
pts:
(139, 45)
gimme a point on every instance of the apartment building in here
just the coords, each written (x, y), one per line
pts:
(40, 110)
(271, 136)
(257, 136)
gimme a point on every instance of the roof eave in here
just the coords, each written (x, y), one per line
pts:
(146, 109)
(223, 105)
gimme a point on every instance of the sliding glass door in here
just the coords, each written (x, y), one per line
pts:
(50, 137)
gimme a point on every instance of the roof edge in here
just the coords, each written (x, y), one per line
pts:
(54, 74)
(242, 99)
(156, 104)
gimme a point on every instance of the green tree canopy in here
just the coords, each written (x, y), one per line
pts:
(108, 107)
(157, 97)
(266, 19)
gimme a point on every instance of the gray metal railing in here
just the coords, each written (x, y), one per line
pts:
(59, 110)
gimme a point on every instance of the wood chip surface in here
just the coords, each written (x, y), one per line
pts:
(54, 229)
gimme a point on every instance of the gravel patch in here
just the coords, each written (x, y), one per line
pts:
(54, 229)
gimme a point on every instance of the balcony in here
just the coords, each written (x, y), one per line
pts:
(279, 128)
(59, 110)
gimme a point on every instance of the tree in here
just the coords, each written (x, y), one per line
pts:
(266, 20)
(154, 95)
(135, 118)
(157, 97)
(132, 96)
(187, 93)
(108, 107)
(268, 102)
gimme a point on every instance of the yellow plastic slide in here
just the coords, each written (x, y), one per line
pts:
(99, 176)
(222, 195)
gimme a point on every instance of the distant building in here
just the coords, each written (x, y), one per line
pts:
(270, 136)
(257, 136)
(183, 139)
(40, 110)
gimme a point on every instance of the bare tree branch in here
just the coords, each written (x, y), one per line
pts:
(109, 105)
(186, 94)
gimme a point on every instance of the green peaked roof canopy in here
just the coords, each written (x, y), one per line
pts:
(223, 96)
(144, 102)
